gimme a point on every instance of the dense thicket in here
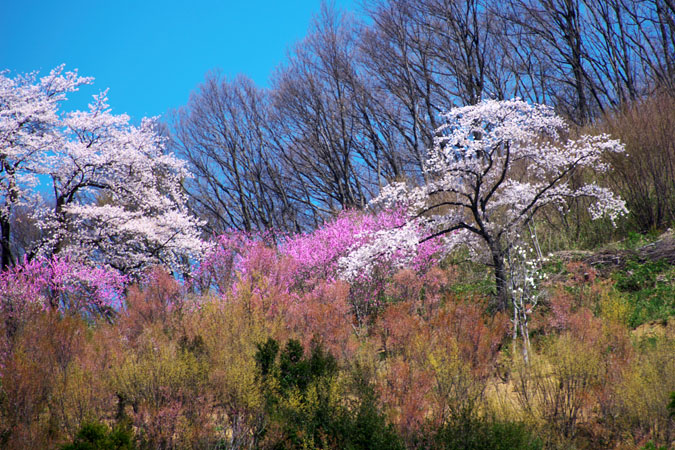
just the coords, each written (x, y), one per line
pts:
(351, 329)
(266, 349)
(358, 101)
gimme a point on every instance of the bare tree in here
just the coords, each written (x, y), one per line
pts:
(322, 137)
(238, 183)
(554, 30)
(423, 55)
(653, 38)
(397, 55)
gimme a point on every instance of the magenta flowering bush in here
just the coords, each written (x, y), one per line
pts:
(323, 255)
(317, 253)
(234, 257)
(59, 284)
(297, 264)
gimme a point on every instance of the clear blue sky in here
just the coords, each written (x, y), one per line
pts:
(151, 54)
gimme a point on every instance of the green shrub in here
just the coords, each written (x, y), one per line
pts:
(650, 446)
(475, 434)
(637, 276)
(306, 404)
(650, 289)
(98, 436)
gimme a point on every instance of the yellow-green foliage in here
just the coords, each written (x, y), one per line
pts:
(79, 395)
(643, 395)
(157, 371)
(455, 389)
(230, 333)
(165, 386)
(556, 388)
(614, 307)
(302, 407)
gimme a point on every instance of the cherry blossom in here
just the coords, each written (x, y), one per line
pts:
(114, 195)
(493, 167)
(28, 121)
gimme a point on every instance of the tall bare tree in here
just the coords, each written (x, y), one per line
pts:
(224, 136)
(322, 135)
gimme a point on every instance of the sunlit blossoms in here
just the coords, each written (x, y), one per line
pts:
(58, 284)
(29, 120)
(492, 168)
(322, 253)
(100, 189)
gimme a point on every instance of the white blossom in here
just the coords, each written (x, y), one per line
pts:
(492, 168)
(396, 246)
(117, 193)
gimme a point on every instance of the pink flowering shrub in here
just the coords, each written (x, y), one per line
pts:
(319, 254)
(326, 253)
(56, 286)
(233, 256)
(298, 264)
(59, 284)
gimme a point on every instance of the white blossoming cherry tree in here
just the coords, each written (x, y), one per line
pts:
(29, 118)
(102, 191)
(118, 194)
(493, 167)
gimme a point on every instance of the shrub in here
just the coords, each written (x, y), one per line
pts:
(305, 403)
(574, 374)
(472, 434)
(98, 436)
(156, 299)
(650, 290)
(166, 387)
(47, 387)
(448, 357)
(230, 331)
(645, 391)
(644, 176)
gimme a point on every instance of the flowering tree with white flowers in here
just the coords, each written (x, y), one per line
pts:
(492, 168)
(118, 195)
(29, 119)
(114, 194)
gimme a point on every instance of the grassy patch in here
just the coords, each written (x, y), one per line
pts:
(470, 278)
(650, 290)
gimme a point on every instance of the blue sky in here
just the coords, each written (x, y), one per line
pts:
(151, 54)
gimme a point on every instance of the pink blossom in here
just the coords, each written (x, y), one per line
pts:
(62, 285)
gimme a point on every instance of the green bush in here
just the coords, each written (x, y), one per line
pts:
(98, 436)
(650, 290)
(650, 446)
(305, 403)
(475, 434)
(637, 276)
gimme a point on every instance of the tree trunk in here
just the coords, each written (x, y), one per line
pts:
(5, 250)
(502, 300)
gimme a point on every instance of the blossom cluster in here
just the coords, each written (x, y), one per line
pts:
(114, 194)
(62, 285)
